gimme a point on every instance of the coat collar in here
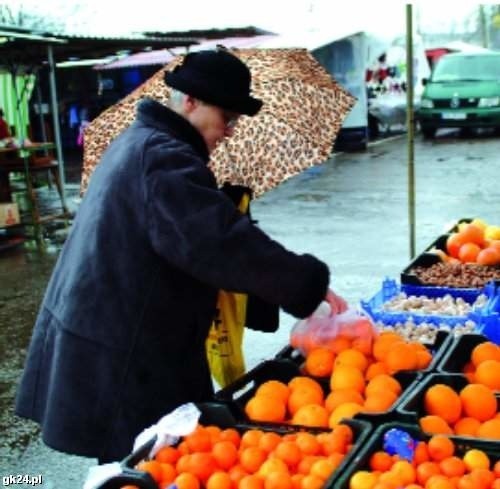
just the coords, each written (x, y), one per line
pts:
(152, 112)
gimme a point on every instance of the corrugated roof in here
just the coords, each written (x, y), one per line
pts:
(163, 56)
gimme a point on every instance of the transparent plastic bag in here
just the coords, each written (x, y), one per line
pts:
(323, 329)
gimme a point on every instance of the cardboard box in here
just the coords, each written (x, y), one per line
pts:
(9, 214)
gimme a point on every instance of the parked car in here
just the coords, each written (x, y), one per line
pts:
(463, 91)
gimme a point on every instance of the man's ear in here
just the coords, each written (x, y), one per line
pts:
(190, 103)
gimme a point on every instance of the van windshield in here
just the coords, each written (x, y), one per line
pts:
(467, 68)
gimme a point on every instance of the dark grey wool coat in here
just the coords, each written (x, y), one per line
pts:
(120, 337)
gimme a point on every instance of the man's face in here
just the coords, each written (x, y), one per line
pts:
(213, 123)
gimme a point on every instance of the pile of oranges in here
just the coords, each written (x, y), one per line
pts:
(473, 411)
(359, 378)
(473, 243)
(215, 458)
(436, 465)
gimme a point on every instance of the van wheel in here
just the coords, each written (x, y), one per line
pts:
(428, 132)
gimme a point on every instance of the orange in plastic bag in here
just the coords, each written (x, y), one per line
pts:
(323, 329)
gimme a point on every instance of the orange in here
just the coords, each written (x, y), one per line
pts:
(488, 373)
(363, 345)
(435, 424)
(453, 244)
(250, 438)
(401, 356)
(338, 397)
(272, 465)
(306, 463)
(214, 432)
(362, 479)
(346, 410)
(182, 464)
(452, 466)
(344, 431)
(347, 377)
(167, 455)
(274, 388)
(251, 482)
(383, 382)
(440, 447)
(351, 358)
(478, 402)
(421, 453)
(308, 443)
(490, 429)
(269, 441)
(302, 381)
(496, 469)
(466, 426)
(485, 351)
(380, 461)
(225, 454)
(426, 470)
(382, 344)
(439, 482)
(297, 481)
(336, 459)
(424, 358)
(289, 452)
(152, 467)
(236, 473)
(482, 477)
(312, 415)
(168, 473)
(380, 401)
(319, 362)
(404, 471)
(323, 468)
(472, 234)
(251, 458)
(374, 369)
(333, 442)
(311, 481)
(278, 480)
(187, 481)
(468, 252)
(488, 256)
(302, 396)
(202, 465)
(232, 435)
(199, 440)
(219, 480)
(476, 459)
(266, 408)
(339, 343)
(441, 400)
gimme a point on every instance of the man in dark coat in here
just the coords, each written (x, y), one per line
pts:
(120, 337)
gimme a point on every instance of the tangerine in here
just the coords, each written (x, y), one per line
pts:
(302, 396)
(380, 461)
(476, 459)
(323, 468)
(289, 452)
(278, 480)
(186, 481)
(485, 351)
(453, 244)
(452, 466)
(202, 465)
(425, 471)
(351, 358)
(490, 429)
(440, 447)
(478, 402)
(225, 454)
(401, 356)
(274, 388)
(269, 441)
(308, 443)
(251, 458)
(467, 426)
(362, 479)
(435, 424)
(266, 408)
(311, 415)
(251, 482)
(374, 369)
(152, 467)
(379, 401)
(167, 455)
(347, 377)
(338, 397)
(473, 234)
(383, 382)
(488, 373)
(346, 410)
(219, 480)
(488, 256)
(441, 400)
(272, 465)
(319, 362)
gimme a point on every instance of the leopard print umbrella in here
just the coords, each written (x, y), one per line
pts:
(302, 114)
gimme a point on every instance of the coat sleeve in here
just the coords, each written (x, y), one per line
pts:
(197, 229)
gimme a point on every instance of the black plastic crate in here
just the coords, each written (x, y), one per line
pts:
(238, 393)
(376, 443)
(459, 352)
(413, 405)
(221, 415)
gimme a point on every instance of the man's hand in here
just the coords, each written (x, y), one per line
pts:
(337, 304)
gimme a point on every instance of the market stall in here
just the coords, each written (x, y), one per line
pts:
(403, 394)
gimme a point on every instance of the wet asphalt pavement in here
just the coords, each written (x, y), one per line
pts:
(351, 211)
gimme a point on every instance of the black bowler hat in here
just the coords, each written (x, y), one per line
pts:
(218, 78)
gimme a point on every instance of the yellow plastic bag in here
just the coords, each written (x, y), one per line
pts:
(224, 343)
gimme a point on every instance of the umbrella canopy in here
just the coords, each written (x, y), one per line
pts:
(302, 114)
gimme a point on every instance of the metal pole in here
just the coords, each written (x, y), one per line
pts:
(410, 124)
(55, 118)
(40, 112)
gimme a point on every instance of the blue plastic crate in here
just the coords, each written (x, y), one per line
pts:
(486, 317)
